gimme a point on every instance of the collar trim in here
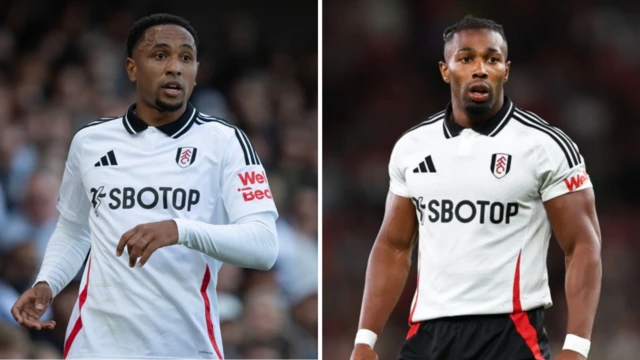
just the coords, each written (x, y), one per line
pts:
(133, 124)
(491, 127)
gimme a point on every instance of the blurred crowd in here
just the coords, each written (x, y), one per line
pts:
(574, 63)
(62, 66)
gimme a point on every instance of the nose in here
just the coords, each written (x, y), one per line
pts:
(174, 67)
(480, 70)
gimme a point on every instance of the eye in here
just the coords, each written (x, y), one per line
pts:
(465, 59)
(159, 56)
(493, 59)
(186, 57)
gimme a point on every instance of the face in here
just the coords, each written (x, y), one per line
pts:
(164, 67)
(476, 67)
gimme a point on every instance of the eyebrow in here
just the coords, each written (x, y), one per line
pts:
(165, 45)
(492, 50)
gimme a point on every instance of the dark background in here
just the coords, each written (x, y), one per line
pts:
(62, 66)
(574, 63)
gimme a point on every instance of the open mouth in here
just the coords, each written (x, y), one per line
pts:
(479, 92)
(172, 88)
(479, 88)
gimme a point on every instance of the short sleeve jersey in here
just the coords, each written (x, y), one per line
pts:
(479, 195)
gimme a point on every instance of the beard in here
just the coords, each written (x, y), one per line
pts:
(475, 110)
(166, 107)
(478, 110)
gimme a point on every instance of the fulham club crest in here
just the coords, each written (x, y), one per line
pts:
(186, 156)
(500, 165)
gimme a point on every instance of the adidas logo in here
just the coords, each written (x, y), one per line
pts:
(425, 166)
(107, 160)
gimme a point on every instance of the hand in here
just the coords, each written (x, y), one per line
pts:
(143, 240)
(363, 352)
(32, 305)
(569, 355)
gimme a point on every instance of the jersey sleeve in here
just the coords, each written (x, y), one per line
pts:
(562, 167)
(244, 183)
(397, 183)
(73, 203)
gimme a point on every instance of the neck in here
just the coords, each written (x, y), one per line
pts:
(153, 116)
(460, 117)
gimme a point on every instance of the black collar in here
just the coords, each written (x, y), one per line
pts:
(175, 129)
(489, 128)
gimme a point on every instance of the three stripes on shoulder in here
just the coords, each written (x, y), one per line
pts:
(250, 155)
(569, 149)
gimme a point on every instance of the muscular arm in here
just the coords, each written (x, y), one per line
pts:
(389, 263)
(575, 225)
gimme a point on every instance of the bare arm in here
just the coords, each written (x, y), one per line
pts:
(389, 263)
(575, 225)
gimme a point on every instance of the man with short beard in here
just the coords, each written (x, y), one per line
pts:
(480, 186)
(178, 190)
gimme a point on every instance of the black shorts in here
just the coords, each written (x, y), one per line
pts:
(518, 336)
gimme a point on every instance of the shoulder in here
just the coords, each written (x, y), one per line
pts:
(219, 126)
(553, 140)
(100, 126)
(232, 133)
(425, 126)
(428, 128)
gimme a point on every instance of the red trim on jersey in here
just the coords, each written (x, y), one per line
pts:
(521, 319)
(413, 309)
(413, 330)
(207, 312)
(414, 326)
(78, 325)
(528, 333)
(517, 306)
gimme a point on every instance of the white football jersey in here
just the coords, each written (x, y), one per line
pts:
(121, 173)
(479, 195)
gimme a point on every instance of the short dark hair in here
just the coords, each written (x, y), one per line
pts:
(471, 22)
(137, 30)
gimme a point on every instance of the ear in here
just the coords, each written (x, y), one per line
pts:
(195, 83)
(506, 71)
(130, 64)
(444, 71)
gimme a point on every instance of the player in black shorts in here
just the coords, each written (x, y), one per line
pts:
(487, 176)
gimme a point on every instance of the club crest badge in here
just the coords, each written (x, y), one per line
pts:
(186, 156)
(500, 165)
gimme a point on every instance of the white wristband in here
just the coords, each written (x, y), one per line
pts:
(368, 337)
(577, 344)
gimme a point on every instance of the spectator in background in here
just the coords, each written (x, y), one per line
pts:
(271, 348)
(18, 159)
(20, 265)
(230, 309)
(37, 217)
(43, 350)
(14, 342)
